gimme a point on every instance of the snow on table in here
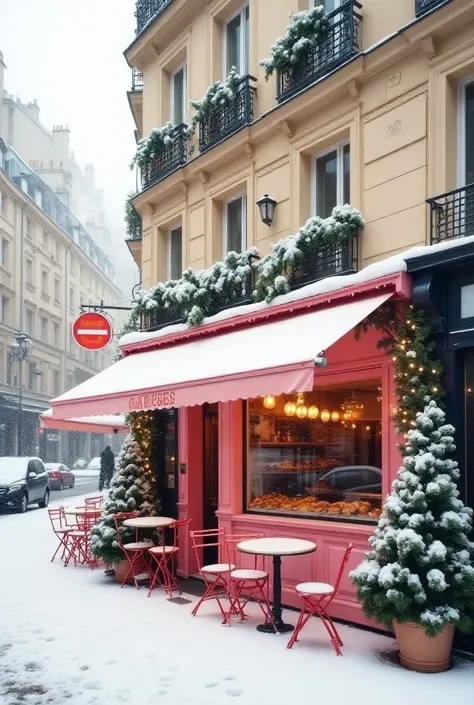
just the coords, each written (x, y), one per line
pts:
(72, 635)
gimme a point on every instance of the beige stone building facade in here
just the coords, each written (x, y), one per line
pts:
(381, 118)
(48, 269)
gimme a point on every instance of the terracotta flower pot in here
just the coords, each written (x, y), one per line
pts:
(422, 653)
(121, 569)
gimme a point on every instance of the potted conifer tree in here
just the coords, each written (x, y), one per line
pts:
(419, 576)
(130, 491)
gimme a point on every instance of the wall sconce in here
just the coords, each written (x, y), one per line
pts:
(266, 206)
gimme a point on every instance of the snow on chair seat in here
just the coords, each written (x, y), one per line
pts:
(138, 545)
(314, 589)
(217, 568)
(248, 574)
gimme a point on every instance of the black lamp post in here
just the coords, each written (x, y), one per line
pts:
(266, 206)
(19, 351)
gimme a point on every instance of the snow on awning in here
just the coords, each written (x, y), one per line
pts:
(85, 424)
(270, 358)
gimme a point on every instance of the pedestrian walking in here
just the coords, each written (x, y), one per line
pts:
(107, 467)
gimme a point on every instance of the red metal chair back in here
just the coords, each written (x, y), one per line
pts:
(118, 519)
(94, 502)
(87, 520)
(57, 519)
(206, 538)
(234, 555)
(178, 528)
(345, 558)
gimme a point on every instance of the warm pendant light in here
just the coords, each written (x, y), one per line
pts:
(335, 416)
(302, 411)
(313, 412)
(269, 402)
(290, 408)
(325, 415)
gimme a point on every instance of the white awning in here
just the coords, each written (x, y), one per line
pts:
(85, 424)
(268, 358)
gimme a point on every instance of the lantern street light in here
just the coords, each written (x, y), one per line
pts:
(19, 351)
(266, 206)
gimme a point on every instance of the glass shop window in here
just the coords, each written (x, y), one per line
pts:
(317, 454)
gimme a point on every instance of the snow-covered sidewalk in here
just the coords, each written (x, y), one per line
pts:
(72, 635)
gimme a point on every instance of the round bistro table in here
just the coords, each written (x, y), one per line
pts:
(276, 547)
(149, 522)
(79, 511)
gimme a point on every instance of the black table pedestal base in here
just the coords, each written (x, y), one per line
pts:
(268, 628)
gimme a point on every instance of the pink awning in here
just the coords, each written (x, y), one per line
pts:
(270, 358)
(86, 424)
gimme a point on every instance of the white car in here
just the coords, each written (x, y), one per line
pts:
(94, 464)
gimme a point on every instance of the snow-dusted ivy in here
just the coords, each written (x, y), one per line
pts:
(275, 271)
(152, 145)
(133, 221)
(220, 94)
(306, 30)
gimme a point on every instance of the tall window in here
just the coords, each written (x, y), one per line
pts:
(30, 322)
(5, 246)
(44, 329)
(4, 309)
(178, 95)
(72, 299)
(45, 282)
(56, 333)
(466, 156)
(332, 179)
(32, 376)
(29, 272)
(56, 289)
(235, 218)
(55, 382)
(30, 230)
(236, 42)
(175, 253)
(329, 5)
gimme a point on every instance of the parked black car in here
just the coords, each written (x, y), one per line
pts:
(23, 481)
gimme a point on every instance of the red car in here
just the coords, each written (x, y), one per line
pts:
(59, 476)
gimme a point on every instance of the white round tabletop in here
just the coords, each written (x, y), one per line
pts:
(149, 522)
(79, 511)
(277, 546)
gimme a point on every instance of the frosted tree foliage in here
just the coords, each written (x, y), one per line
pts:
(420, 568)
(219, 95)
(130, 491)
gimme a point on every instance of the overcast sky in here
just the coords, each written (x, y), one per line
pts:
(68, 55)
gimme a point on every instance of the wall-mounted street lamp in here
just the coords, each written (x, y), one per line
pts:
(266, 206)
(18, 351)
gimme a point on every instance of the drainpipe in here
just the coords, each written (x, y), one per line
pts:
(64, 447)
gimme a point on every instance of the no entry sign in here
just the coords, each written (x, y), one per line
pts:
(92, 331)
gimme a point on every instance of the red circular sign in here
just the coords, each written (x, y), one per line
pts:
(92, 331)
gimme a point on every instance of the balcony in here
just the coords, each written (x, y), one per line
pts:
(341, 44)
(160, 318)
(148, 10)
(424, 6)
(137, 80)
(227, 119)
(452, 214)
(172, 157)
(324, 262)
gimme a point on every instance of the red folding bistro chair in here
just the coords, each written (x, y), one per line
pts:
(134, 551)
(164, 557)
(215, 575)
(79, 539)
(316, 599)
(57, 518)
(246, 584)
(94, 502)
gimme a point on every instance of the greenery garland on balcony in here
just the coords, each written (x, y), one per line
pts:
(275, 270)
(155, 143)
(307, 30)
(133, 221)
(220, 94)
(192, 297)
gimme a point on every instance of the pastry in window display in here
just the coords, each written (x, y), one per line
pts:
(277, 501)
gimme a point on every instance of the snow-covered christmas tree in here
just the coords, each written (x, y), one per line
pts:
(420, 569)
(131, 490)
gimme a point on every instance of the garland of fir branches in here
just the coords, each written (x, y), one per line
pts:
(417, 375)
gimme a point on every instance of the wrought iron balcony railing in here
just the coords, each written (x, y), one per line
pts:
(171, 157)
(137, 80)
(325, 262)
(227, 119)
(241, 293)
(342, 42)
(148, 10)
(424, 6)
(160, 318)
(452, 214)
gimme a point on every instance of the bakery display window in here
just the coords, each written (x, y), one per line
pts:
(316, 454)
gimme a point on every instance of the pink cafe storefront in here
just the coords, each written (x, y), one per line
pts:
(274, 420)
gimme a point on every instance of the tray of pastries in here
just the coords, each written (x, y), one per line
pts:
(276, 501)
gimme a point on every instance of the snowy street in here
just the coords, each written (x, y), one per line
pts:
(73, 635)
